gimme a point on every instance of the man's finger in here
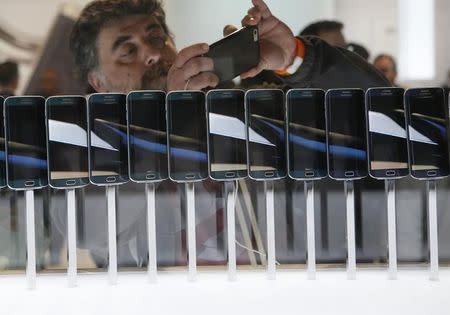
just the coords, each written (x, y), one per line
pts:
(254, 12)
(196, 65)
(254, 71)
(203, 80)
(190, 52)
(263, 8)
(228, 29)
(249, 20)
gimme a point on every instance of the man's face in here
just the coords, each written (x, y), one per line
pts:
(387, 68)
(134, 53)
(334, 38)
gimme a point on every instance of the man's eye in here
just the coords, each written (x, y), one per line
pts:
(128, 54)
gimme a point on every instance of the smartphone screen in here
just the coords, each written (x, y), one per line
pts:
(108, 140)
(2, 148)
(266, 134)
(226, 134)
(387, 141)
(428, 132)
(186, 126)
(67, 141)
(229, 61)
(147, 135)
(346, 133)
(306, 133)
(26, 142)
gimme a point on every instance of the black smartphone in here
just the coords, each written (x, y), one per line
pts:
(26, 151)
(346, 134)
(386, 130)
(306, 136)
(186, 130)
(227, 146)
(107, 139)
(427, 117)
(266, 134)
(2, 148)
(147, 136)
(67, 148)
(235, 53)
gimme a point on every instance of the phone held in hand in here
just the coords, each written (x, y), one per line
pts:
(235, 53)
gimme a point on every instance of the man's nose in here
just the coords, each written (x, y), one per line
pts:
(151, 55)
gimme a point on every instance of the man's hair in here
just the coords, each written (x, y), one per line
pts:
(320, 27)
(9, 72)
(96, 15)
(389, 57)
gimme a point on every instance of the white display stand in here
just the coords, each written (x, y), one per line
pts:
(191, 232)
(31, 240)
(310, 230)
(351, 240)
(231, 191)
(112, 234)
(71, 238)
(270, 217)
(392, 228)
(433, 229)
(152, 268)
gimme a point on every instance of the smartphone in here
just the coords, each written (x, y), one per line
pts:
(107, 139)
(26, 151)
(147, 136)
(227, 145)
(2, 148)
(266, 134)
(228, 53)
(306, 136)
(386, 131)
(67, 148)
(346, 134)
(427, 117)
(186, 136)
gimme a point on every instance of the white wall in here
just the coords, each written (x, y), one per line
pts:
(203, 20)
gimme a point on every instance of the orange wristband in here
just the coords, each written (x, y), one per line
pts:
(299, 55)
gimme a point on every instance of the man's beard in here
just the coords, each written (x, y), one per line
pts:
(156, 77)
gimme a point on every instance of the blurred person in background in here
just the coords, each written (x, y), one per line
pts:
(9, 78)
(329, 31)
(386, 64)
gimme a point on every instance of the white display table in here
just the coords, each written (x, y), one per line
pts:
(213, 294)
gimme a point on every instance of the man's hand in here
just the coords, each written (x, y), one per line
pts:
(277, 42)
(191, 71)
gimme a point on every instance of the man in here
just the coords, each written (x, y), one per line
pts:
(9, 78)
(386, 64)
(122, 45)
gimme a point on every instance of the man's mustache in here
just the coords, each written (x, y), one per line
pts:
(161, 69)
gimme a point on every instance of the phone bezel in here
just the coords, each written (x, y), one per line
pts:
(213, 174)
(409, 93)
(92, 179)
(377, 174)
(288, 153)
(251, 174)
(357, 174)
(42, 182)
(168, 122)
(79, 181)
(135, 180)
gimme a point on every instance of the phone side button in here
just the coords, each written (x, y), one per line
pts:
(431, 173)
(29, 183)
(190, 176)
(71, 182)
(230, 174)
(111, 179)
(269, 174)
(390, 173)
(349, 174)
